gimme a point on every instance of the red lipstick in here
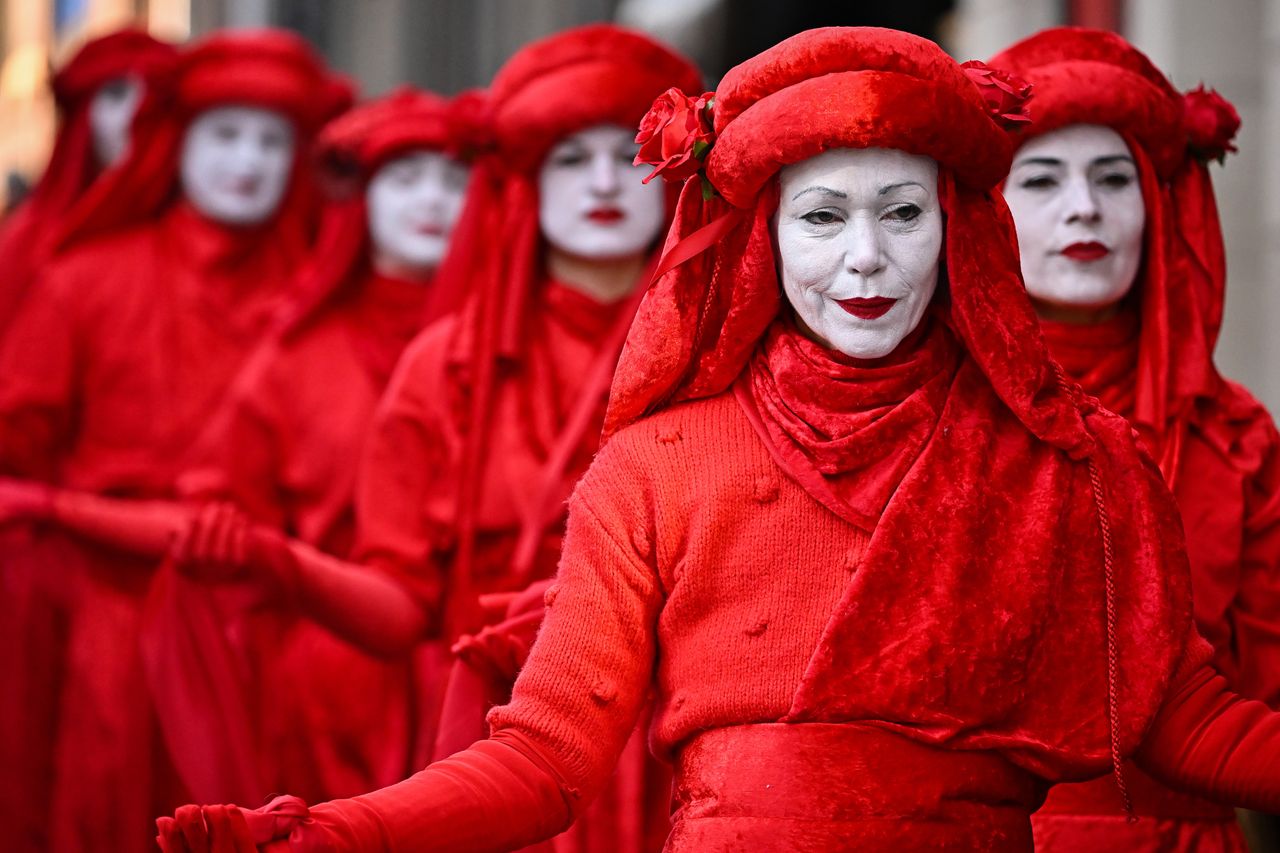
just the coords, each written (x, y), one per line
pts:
(606, 215)
(431, 229)
(1091, 251)
(867, 307)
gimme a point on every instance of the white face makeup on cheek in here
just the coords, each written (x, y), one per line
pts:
(859, 236)
(591, 202)
(414, 202)
(111, 114)
(236, 163)
(1075, 197)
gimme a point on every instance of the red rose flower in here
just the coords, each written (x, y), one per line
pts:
(1211, 124)
(1006, 94)
(675, 135)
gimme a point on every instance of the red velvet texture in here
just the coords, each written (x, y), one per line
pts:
(27, 236)
(1083, 76)
(1153, 363)
(597, 74)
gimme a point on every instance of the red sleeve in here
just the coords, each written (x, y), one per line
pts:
(1209, 741)
(399, 473)
(39, 377)
(572, 710)
(1255, 612)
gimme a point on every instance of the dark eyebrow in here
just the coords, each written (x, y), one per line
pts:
(1113, 158)
(899, 185)
(1038, 161)
(823, 190)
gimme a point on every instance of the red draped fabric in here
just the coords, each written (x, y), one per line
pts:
(1152, 363)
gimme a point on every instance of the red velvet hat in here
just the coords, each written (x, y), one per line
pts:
(272, 69)
(1083, 76)
(839, 87)
(119, 54)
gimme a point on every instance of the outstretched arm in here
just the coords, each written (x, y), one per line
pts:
(1209, 741)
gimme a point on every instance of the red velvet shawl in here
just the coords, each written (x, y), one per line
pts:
(1009, 598)
(1083, 76)
(26, 239)
(554, 87)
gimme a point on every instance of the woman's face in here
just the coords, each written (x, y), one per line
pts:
(859, 236)
(591, 202)
(1075, 197)
(236, 163)
(111, 112)
(414, 202)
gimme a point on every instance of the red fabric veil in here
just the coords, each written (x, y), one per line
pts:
(27, 238)
(1017, 483)
(1083, 76)
(272, 69)
(579, 78)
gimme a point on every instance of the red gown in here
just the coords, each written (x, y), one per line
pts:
(1228, 489)
(333, 721)
(407, 509)
(107, 381)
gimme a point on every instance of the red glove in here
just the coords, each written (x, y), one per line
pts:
(231, 829)
(24, 500)
(221, 545)
(499, 795)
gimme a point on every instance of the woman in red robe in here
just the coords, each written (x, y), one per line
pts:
(331, 719)
(887, 571)
(97, 94)
(109, 375)
(1123, 257)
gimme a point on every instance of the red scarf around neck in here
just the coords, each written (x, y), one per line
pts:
(1102, 357)
(860, 424)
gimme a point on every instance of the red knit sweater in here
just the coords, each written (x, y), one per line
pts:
(732, 516)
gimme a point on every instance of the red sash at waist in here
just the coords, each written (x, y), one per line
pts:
(829, 787)
(1150, 799)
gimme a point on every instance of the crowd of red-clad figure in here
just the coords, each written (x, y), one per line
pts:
(301, 414)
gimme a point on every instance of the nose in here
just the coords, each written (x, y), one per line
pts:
(605, 180)
(862, 254)
(1081, 203)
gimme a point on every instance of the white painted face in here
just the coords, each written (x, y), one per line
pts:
(1075, 196)
(111, 112)
(591, 202)
(859, 236)
(414, 202)
(236, 163)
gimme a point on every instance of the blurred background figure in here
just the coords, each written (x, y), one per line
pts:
(97, 93)
(122, 349)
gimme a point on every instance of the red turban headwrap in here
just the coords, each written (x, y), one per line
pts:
(27, 238)
(271, 69)
(1083, 76)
